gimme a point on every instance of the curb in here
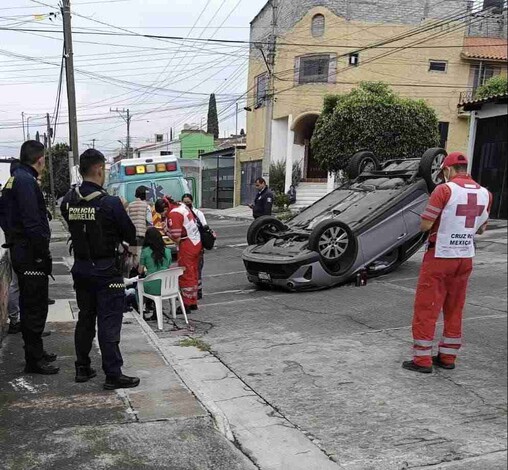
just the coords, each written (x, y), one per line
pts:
(251, 423)
(218, 416)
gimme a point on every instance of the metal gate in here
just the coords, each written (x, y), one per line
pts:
(218, 181)
(490, 163)
(251, 171)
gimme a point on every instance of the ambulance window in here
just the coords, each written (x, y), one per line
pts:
(157, 189)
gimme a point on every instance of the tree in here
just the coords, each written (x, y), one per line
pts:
(61, 178)
(372, 117)
(213, 118)
(495, 86)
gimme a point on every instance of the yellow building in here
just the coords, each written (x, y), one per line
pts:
(421, 49)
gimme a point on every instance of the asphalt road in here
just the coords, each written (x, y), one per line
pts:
(329, 361)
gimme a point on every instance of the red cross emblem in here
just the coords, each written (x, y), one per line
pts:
(471, 210)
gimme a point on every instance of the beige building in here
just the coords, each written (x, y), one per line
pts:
(427, 50)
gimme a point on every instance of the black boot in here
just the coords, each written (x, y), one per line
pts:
(41, 367)
(122, 381)
(84, 373)
(14, 328)
(410, 365)
(437, 362)
(49, 357)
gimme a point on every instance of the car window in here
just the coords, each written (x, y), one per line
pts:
(157, 189)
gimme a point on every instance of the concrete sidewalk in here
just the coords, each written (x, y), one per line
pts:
(53, 423)
(235, 213)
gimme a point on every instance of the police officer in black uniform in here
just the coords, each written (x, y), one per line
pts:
(264, 200)
(98, 224)
(28, 236)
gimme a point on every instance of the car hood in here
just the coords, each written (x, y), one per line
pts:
(349, 206)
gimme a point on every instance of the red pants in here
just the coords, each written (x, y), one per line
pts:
(442, 286)
(188, 257)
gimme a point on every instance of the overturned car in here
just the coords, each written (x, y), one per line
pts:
(368, 225)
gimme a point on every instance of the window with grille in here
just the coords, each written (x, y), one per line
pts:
(318, 26)
(314, 69)
(261, 89)
(482, 73)
(438, 66)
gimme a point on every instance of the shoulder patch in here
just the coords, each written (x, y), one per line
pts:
(9, 183)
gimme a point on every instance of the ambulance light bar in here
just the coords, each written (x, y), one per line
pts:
(152, 168)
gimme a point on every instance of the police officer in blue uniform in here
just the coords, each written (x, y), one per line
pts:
(28, 236)
(98, 224)
(264, 200)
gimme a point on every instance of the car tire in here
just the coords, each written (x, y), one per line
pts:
(360, 162)
(430, 166)
(263, 229)
(336, 245)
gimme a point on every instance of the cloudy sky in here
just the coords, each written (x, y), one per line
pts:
(164, 82)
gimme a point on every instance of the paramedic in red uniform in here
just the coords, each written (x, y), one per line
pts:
(457, 211)
(184, 231)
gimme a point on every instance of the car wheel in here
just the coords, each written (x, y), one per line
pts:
(430, 167)
(361, 162)
(336, 244)
(263, 230)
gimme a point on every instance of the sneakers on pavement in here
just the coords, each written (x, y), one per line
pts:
(410, 365)
(123, 381)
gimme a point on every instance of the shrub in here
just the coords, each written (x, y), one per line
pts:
(278, 177)
(372, 117)
(495, 86)
(281, 201)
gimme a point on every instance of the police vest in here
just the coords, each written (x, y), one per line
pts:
(93, 237)
(462, 217)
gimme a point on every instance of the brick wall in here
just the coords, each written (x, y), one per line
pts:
(491, 26)
(410, 12)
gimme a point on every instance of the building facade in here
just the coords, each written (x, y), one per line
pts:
(325, 47)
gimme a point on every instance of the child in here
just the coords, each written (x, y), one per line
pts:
(155, 257)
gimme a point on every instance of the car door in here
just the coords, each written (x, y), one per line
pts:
(387, 233)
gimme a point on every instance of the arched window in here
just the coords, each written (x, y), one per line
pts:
(318, 25)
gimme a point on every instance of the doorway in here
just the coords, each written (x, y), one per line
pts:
(304, 129)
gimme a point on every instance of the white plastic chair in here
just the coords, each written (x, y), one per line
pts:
(169, 291)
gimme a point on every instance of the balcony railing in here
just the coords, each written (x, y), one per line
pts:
(466, 96)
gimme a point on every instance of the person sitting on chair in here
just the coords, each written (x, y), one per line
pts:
(155, 257)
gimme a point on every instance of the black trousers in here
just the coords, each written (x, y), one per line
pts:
(33, 309)
(100, 301)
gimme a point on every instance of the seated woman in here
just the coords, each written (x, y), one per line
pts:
(155, 257)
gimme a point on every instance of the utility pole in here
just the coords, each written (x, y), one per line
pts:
(23, 123)
(71, 87)
(236, 124)
(126, 116)
(270, 92)
(51, 175)
(28, 128)
(93, 143)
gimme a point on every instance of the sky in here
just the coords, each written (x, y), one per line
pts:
(165, 83)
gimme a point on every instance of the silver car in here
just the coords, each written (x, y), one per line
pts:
(368, 226)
